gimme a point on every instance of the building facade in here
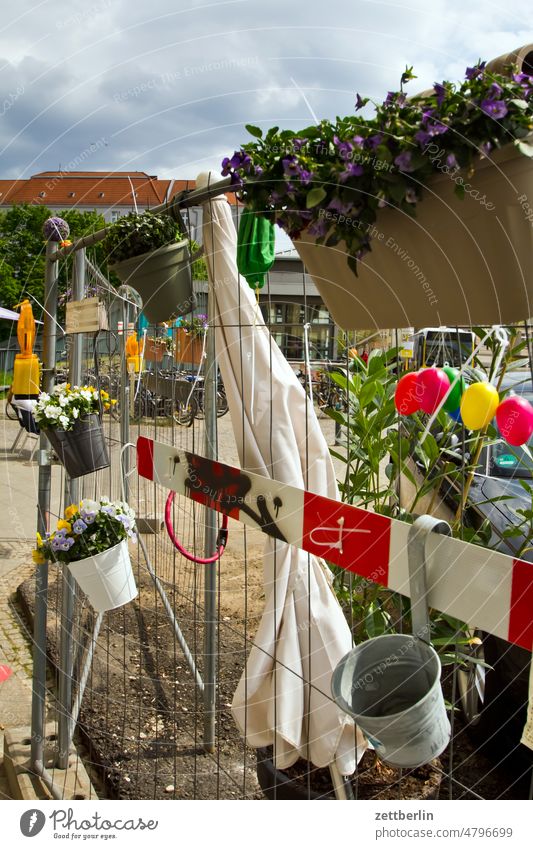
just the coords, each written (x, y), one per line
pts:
(290, 299)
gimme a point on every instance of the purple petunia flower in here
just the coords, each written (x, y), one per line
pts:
(79, 526)
(440, 91)
(495, 91)
(353, 169)
(451, 161)
(240, 161)
(318, 228)
(343, 147)
(360, 101)
(476, 71)
(336, 205)
(374, 141)
(403, 161)
(298, 144)
(494, 108)
(358, 141)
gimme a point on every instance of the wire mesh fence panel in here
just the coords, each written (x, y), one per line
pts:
(142, 674)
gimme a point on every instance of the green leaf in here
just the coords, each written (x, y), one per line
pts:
(315, 196)
(257, 132)
(459, 191)
(526, 149)
(520, 104)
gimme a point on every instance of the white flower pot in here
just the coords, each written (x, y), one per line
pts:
(106, 578)
(459, 262)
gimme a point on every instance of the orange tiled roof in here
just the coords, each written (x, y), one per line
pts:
(104, 189)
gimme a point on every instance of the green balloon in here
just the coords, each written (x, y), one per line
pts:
(453, 401)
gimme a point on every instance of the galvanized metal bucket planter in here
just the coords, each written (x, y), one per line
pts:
(83, 449)
(163, 279)
(458, 262)
(391, 687)
(106, 578)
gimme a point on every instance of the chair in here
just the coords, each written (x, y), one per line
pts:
(28, 426)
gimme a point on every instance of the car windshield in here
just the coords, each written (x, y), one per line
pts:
(444, 348)
(507, 461)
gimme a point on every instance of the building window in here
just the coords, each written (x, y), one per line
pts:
(115, 215)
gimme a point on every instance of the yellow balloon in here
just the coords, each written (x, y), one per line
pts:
(478, 405)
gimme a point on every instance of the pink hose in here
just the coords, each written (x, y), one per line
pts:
(221, 540)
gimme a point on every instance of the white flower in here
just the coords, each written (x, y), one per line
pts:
(43, 397)
(75, 412)
(64, 420)
(51, 411)
(90, 506)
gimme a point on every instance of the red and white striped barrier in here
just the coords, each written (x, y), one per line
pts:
(485, 588)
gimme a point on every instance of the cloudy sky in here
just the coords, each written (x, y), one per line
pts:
(166, 86)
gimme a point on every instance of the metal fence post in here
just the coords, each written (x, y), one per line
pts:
(68, 586)
(124, 402)
(43, 509)
(210, 570)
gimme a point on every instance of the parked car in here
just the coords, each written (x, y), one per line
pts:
(494, 698)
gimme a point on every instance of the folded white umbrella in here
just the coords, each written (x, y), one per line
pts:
(283, 698)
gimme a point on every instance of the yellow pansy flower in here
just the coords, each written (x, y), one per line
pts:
(71, 511)
(39, 540)
(38, 556)
(64, 525)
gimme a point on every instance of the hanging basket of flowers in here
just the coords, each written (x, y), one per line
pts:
(71, 419)
(92, 542)
(143, 252)
(421, 215)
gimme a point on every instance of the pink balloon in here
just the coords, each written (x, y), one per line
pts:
(433, 384)
(514, 417)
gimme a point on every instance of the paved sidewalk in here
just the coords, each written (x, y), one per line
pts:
(15, 645)
(18, 515)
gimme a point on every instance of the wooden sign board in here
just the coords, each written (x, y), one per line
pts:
(87, 316)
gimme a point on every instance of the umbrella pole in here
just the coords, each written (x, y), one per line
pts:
(341, 783)
(210, 539)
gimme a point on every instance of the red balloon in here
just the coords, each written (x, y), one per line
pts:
(433, 385)
(514, 417)
(406, 397)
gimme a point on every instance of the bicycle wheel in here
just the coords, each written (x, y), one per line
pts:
(11, 412)
(184, 413)
(222, 404)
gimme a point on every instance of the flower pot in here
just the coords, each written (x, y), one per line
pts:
(154, 351)
(106, 578)
(459, 262)
(83, 449)
(162, 278)
(188, 349)
(391, 686)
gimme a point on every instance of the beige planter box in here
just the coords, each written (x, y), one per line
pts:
(87, 316)
(188, 349)
(458, 262)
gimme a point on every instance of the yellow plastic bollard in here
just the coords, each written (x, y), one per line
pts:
(26, 370)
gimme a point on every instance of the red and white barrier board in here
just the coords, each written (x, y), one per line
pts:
(485, 588)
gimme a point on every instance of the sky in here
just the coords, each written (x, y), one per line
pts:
(167, 86)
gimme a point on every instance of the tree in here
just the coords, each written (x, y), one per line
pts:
(22, 251)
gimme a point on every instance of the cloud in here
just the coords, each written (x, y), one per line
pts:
(170, 86)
